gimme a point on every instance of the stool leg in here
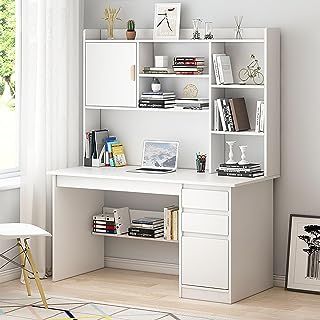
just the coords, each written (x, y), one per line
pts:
(36, 274)
(23, 261)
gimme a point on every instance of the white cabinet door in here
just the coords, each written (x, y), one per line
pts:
(110, 74)
(205, 262)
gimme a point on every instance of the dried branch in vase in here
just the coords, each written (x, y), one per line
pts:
(111, 15)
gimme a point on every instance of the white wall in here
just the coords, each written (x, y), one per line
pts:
(298, 188)
(9, 212)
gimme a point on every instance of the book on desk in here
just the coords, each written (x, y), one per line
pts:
(103, 149)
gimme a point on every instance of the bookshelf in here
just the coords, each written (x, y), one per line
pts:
(174, 76)
(237, 86)
(214, 211)
(105, 72)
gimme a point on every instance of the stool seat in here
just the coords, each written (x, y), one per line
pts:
(21, 230)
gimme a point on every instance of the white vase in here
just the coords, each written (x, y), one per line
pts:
(155, 85)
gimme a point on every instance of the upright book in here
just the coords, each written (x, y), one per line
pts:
(225, 69)
(216, 68)
(239, 114)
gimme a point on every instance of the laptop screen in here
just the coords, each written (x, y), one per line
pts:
(160, 154)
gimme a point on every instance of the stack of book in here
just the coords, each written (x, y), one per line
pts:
(188, 65)
(115, 156)
(104, 223)
(112, 221)
(171, 215)
(250, 170)
(222, 68)
(193, 104)
(157, 70)
(230, 115)
(146, 228)
(161, 100)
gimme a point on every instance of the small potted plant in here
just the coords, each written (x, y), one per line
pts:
(131, 32)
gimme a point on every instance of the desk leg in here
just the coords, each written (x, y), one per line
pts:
(75, 249)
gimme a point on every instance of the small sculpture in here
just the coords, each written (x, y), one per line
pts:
(190, 91)
(243, 160)
(253, 71)
(231, 160)
(238, 30)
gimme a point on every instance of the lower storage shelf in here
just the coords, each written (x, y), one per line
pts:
(125, 236)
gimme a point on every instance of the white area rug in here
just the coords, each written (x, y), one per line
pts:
(18, 306)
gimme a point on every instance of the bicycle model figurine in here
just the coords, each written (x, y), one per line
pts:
(252, 71)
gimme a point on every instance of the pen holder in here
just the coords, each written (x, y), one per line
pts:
(201, 163)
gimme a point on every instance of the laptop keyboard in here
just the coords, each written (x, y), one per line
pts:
(154, 169)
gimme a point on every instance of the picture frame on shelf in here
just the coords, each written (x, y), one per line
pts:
(303, 256)
(166, 21)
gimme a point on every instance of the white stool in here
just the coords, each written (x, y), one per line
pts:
(22, 233)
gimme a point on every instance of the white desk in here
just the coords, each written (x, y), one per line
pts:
(225, 241)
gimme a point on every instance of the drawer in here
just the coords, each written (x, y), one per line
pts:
(205, 199)
(205, 262)
(205, 223)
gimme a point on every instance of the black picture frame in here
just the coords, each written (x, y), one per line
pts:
(287, 286)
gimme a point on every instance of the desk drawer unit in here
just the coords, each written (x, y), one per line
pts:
(205, 199)
(205, 223)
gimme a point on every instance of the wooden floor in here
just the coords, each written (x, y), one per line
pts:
(160, 291)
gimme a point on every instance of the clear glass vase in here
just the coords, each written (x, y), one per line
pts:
(208, 30)
(110, 29)
(196, 29)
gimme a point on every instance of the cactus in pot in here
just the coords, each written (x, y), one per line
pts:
(131, 32)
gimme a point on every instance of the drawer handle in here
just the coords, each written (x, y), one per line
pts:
(133, 72)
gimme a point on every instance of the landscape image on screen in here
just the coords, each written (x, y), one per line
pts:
(160, 154)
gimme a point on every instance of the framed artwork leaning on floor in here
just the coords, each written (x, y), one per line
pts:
(303, 258)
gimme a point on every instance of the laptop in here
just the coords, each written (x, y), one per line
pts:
(159, 156)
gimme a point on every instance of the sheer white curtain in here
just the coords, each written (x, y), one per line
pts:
(49, 126)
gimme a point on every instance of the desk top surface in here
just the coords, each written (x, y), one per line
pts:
(181, 176)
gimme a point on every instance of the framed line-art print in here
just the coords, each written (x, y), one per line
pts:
(303, 258)
(167, 21)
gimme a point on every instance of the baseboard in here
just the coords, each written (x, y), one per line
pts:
(161, 267)
(10, 274)
(279, 281)
(141, 265)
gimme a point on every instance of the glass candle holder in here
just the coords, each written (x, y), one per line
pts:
(208, 30)
(196, 29)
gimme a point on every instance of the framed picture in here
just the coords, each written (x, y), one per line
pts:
(303, 262)
(167, 21)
